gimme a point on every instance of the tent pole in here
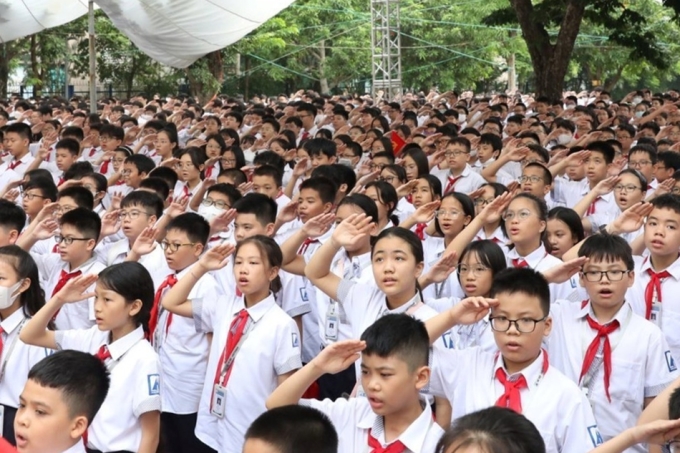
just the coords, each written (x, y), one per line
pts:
(93, 62)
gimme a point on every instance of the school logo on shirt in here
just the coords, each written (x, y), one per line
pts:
(670, 361)
(595, 436)
(448, 341)
(154, 382)
(295, 340)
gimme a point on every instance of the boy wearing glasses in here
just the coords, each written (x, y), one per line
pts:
(643, 159)
(519, 376)
(78, 235)
(537, 180)
(619, 360)
(458, 177)
(182, 350)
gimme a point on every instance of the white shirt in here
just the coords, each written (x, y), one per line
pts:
(553, 403)
(404, 209)
(8, 176)
(469, 180)
(641, 367)
(154, 262)
(183, 352)
(21, 168)
(540, 261)
(78, 447)
(17, 359)
(354, 420)
(433, 249)
(497, 237)
(463, 337)
(670, 305)
(568, 192)
(76, 315)
(270, 349)
(134, 390)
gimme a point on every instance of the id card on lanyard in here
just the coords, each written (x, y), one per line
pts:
(218, 402)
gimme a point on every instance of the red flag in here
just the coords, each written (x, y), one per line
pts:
(398, 143)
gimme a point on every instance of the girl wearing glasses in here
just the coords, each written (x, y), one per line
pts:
(190, 171)
(395, 175)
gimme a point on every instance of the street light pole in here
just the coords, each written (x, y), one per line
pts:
(93, 62)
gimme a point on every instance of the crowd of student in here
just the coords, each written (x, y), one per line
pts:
(441, 274)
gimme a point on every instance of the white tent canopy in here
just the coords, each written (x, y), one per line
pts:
(173, 32)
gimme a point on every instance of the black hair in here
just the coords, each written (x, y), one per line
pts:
(435, 185)
(547, 176)
(260, 205)
(115, 132)
(491, 139)
(228, 190)
(81, 378)
(465, 201)
(386, 155)
(69, 144)
(144, 199)
(78, 169)
(166, 174)
(364, 203)
(157, 185)
(640, 177)
(12, 217)
(33, 299)
(526, 281)
(270, 171)
(324, 187)
(238, 155)
(144, 164)
(22, 129)
(494, 430)
(132, 281)
(489, 254)
(236, 174)
(82, 197)
(270, 252)
(171, 132)
(674, 405)
(295, 429)
(498, 188)
(408, 236)
(609, 248)
(670, 159)
(464, 142)
(400, 336)
(543, 153)
(541, 211)
(269, 158)
(398, 171)
(603, 148)
(387, 195)
(193, 225)
(420, 159)
(85, 221)
(319, 146)
(196, 155)
(570, 218)
(667, 201)
(45, 185)
(346, 176)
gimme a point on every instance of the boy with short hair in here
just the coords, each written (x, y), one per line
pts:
(394, 416)
(643, 159)
(291, 429)
(16, 141)
(315, 199)
(62, 396)
(268, 180)
(135, 169)
(12, 222)
(620, 361)
(139, 210)
(321, 151)
(110, 138)
(79, 232)
(488, 150)
(67, 150)
(37, 194)
(520, 376)
(459, 176)
(668, 162)
(536, 179)
(183, 351)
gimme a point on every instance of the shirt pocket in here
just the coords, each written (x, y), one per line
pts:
(626, 384)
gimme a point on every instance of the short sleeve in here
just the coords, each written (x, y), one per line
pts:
(287, 356)
(579, 431)
(84, 340)
(445, 363)
(661, 367)
(342, 412)
(291, 302)
(204, 314)
(147, 396)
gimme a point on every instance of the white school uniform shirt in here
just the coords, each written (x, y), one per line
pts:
(497, 236)
(154, 262)
(670, 304)
(357, 269)
(76, 315)
(469, 180)
(404, 209)
(21, 168)
(433, 249)
(641, 364)
(540, 260)
(553, 403)
(17, 359)
(354, 419)
(134, 390)
(183, 351)
(78, 447)
(270, 349)
(8, 176)
(463, 337)
(179, 190)
(281, 201)
(568, 193)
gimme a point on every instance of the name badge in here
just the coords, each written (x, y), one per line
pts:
(332, 321)
(655, 315)
(219, 398)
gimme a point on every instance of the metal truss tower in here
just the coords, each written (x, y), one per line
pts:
(386, 48)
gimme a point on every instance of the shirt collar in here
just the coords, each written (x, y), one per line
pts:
(673, 269)
(466, 171)
(404, 308)
(78, 447)
(497, 234)
(531, 373)
(122, 345)
(532, 258)
(84, 268)
(620, 316)
(257, 311)
(413, 437)
(13, 321)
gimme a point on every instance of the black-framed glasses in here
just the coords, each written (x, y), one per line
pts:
(31, 196)
(68, 240)
(626, 188)
(523, 325)
(219, 204)
(173, 247)
(612, 275)
(133, 214)
(533, 179)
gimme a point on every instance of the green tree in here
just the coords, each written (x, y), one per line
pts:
(550, 29)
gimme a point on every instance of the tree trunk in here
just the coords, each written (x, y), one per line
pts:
(4, 69)
(323, 80)
(131, 77)
(550, 61)
(35, 66)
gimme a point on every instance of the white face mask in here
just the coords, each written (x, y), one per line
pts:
(462, 117)
(209, 212)
(639, 114)
(563, 139)
(7, 296)
(570, 106)
(637, 100)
